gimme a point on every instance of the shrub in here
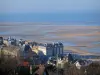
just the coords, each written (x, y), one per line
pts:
(93, 69)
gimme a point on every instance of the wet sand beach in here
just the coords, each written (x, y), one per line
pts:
(81, 38)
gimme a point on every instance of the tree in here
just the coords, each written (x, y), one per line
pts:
(93, 69)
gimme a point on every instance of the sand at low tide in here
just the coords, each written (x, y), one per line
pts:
(84, 38)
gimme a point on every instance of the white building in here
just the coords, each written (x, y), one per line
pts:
(42, 50)
(82, 63)
(48, 49)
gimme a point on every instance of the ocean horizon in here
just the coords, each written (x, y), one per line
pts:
(54, 18)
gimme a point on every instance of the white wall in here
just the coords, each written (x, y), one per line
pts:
(42, 49)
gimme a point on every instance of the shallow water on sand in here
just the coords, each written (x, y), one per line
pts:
(86, 38)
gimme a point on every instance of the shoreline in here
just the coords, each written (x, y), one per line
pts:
(85, 36)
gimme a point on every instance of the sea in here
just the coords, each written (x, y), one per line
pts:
(55, 18)
(58, 19)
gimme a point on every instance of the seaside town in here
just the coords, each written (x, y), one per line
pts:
(49, 37)
(25, 57)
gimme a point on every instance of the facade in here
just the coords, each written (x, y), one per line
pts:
(54, 49)
(48, 49)
(35, 49)
(58, 49)
(42, 50)
(82, 63)
(1, 40)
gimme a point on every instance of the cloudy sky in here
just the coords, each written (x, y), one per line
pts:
(19, 6)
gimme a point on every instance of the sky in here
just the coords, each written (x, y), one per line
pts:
(31, 6)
